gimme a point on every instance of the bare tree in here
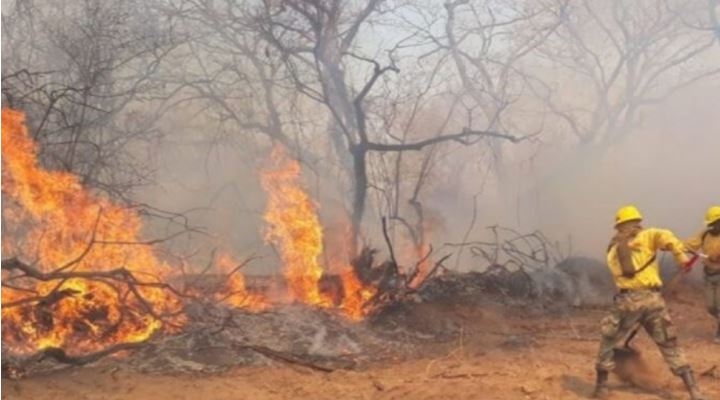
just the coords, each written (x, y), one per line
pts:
(698, 15)
(620, 57)
(227, 68)
(83, 73)
(487, 42)
(477, 49)
(317, 43)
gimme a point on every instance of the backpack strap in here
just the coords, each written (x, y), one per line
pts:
(637, 271)
(647, 264)
(703, 237)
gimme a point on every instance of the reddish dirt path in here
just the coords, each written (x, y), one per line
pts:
(533, 357)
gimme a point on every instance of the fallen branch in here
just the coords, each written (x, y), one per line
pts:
(117, 275)
(432, 271)
(48, 300)
(416, 270)
(242, 265)
(61, 356)
(296, 359)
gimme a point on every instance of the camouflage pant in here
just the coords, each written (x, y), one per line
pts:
(712, 295)
(639, 308)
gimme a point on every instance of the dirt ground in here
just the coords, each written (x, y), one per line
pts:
(502, 354)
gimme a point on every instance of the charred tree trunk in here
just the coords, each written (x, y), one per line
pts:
(360, 189)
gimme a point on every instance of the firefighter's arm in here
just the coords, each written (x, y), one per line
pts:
(694, 243)
(665, 240)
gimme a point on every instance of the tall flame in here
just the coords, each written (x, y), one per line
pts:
(294, 227)
(55, 222)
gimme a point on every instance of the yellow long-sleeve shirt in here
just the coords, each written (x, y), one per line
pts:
(710, 247)
(644, 247)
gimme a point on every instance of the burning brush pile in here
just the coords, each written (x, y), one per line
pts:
(79, 276)
(79, 282)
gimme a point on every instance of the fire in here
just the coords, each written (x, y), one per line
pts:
(294, 227)
(424, 265)
(95, 283)
(356, 295)
(53, 222)
(235, 293)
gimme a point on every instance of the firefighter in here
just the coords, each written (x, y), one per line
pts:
(707, 243)
(631, 258)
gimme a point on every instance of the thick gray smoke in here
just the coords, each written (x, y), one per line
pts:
(545, 78)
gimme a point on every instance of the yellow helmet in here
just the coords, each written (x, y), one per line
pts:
(712, 215)
(627, 213)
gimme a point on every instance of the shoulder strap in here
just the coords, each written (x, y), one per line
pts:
(703, 237)
(647, 264)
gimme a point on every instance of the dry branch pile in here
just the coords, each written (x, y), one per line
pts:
(217, 337)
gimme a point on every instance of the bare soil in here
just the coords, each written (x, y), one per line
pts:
(501, 354)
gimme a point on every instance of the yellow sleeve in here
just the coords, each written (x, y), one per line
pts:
(694, 243)
(664, 239)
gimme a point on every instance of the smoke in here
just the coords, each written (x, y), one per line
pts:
(666, 167)
(581, 281)
(212, 178)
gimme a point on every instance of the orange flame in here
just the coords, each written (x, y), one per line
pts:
(340, 246)
(356, 295)
(294, 227)
(55, 222)
(235, 293)
(424, 265)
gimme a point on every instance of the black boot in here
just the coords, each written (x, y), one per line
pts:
(601, 387)
(689, 379)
